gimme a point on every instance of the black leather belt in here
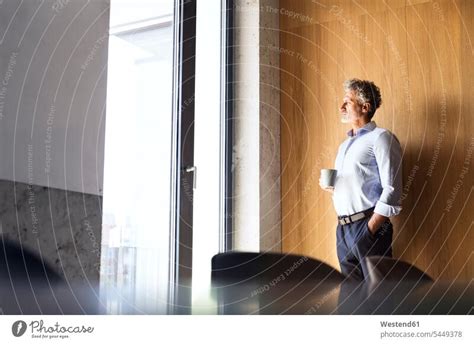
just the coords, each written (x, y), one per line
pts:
(344, 220)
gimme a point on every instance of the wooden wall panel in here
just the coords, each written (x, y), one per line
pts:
(421, 55)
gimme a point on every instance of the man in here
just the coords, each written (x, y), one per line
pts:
(368, 183)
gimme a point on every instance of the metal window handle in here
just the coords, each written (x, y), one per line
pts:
(192, 169)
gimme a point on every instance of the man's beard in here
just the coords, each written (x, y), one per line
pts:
(345, 118)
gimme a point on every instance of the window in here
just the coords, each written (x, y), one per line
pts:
(138, 148)
(166, 155)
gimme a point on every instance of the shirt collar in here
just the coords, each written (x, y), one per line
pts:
(368, 127)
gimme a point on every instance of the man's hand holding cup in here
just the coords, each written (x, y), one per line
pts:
(327, 180)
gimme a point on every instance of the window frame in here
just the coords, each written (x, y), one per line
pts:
(181, 236)
(227, 125)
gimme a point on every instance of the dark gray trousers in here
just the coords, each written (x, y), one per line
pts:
(355, 241)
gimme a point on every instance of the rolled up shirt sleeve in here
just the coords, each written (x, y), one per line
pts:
(388, 154)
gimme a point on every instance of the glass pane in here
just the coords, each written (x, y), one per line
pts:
(207, 153)
(136, 209)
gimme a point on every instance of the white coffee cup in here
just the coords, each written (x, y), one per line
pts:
(328, 177)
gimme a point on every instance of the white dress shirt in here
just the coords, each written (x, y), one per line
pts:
(369, 172)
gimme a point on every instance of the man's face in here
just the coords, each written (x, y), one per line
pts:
(351, 110)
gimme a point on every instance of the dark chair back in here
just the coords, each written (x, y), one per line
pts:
(20, 266)
(384, 269)
(29, 286)
(265, 266)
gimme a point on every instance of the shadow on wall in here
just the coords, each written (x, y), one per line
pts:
(432, 229)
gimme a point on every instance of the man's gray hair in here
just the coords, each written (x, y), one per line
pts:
(366, 92)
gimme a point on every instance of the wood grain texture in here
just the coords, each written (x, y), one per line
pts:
(421, 55)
